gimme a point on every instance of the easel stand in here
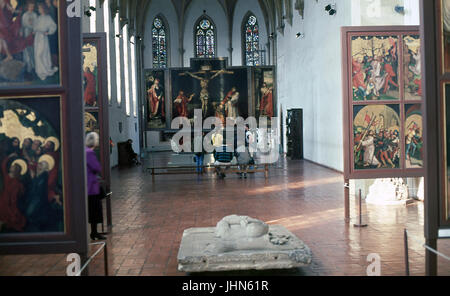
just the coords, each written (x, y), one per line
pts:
(360, 213)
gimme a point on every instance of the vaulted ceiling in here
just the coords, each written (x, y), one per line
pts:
(276, 12)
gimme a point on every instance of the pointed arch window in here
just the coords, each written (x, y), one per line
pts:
(205, 38)
(251, 41)
(159, 43)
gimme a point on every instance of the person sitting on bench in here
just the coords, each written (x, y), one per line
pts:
(132, 156)
(222, 156)
(243, 158)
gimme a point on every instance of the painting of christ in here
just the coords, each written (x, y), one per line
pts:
(29, 43)
(376, 136)
(31, 190)
(211, 87)
(375, 68)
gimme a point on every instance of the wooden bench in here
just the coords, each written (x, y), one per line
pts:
(232, 168)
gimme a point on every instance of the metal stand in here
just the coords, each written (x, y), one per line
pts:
(405, 237)
(360, 213)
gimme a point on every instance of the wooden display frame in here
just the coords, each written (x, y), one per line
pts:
(102, 108)
(74, 239)
(350, 172)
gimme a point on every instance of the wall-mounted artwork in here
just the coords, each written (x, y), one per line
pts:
(412, 67)
(31, 189)
(90, 73)
(413, 136)
(210, 86)
(376, 140)
(264, 79)
(29, 43)
(375, 67)
(155, 99)
(446, 203)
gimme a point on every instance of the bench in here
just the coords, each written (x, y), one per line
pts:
(232, 168)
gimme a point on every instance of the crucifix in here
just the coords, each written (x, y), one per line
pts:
(204, 81)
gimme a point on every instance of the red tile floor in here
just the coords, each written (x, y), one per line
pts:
(149, 220)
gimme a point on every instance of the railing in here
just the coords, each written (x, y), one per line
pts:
(405, 236)
(105, 254)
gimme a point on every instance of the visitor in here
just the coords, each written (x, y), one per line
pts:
(94, 192)
(223, 158)
(199, 152)
(243, 159)
(132, 156)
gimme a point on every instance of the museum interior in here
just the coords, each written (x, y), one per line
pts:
(224, 137)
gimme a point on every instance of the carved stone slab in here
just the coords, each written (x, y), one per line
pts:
(201, 250)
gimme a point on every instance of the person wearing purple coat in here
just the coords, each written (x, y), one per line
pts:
(95, 211)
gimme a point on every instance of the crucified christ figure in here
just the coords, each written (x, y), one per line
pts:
(204, 81)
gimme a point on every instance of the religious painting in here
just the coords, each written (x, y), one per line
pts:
(29, 43)
(412, 67)
(375, 68)
(31, 188)
(376, 136)
(264, 92)
(156, 101)
(211, 87)
(445, 11)
(90, 73)
(413, 136)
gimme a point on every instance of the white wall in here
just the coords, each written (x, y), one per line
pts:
(242, 7)
(216, 12)
(309, 77)
(382, 13)
(166, 9)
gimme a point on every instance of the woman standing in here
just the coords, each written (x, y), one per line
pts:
(94, 197)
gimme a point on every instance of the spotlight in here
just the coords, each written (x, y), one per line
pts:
(331, 8)
(119, 35)
(299, 35)
(399, 9)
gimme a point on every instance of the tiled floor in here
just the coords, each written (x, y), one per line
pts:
(149, 220)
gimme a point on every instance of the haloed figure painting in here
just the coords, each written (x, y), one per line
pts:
(29, 43)
(31, 191)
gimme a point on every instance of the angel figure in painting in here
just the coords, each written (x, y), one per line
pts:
(45, 26)
(29, 19)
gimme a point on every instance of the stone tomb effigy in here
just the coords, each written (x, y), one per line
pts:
(241, 243)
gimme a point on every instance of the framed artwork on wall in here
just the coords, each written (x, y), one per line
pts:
(41, 132)
(382, 102)
(31, 49)
(90, 73)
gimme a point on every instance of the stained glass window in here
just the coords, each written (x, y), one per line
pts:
(159, 44)
(205, 41)
(251, 41)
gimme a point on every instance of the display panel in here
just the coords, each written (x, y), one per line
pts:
(446, 142)
(382, 102)
(29, 44)
(445, 29)
(31, 194)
